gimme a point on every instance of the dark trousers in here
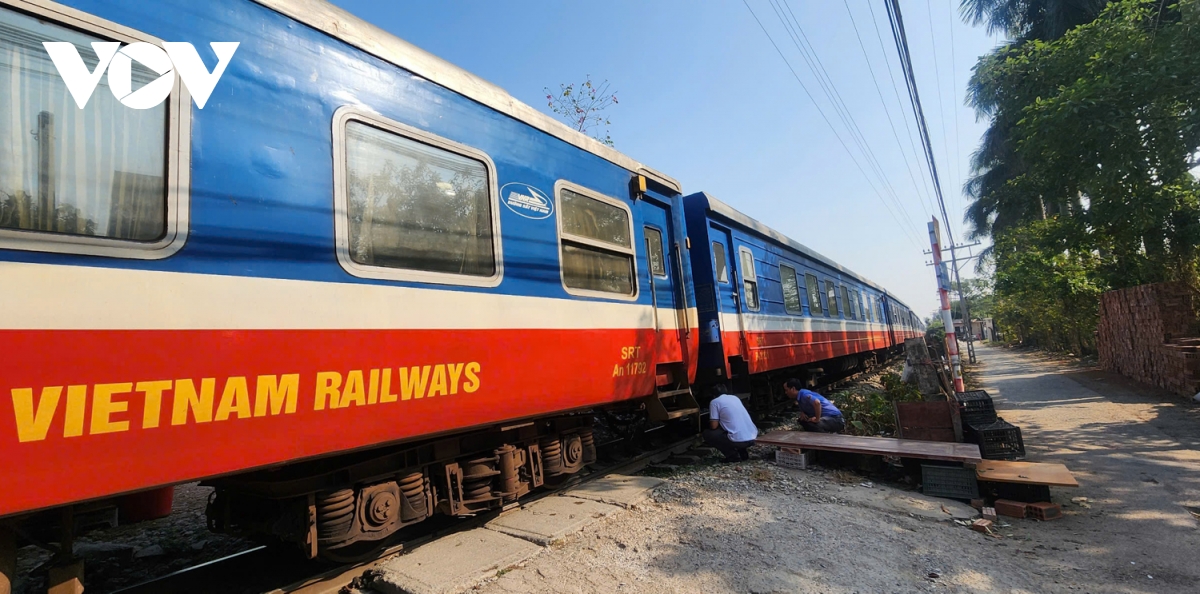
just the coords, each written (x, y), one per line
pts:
(733, 450)
(825, 425)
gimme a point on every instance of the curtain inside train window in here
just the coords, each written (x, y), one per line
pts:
(415, 206)
(96, 171)
(597, 250)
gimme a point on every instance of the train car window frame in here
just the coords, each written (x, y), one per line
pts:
(589, 243)
(832, 309)
(813, 286)
(749, 279)
(799, 309)
(719, 263)
(341, 121)
(661, 270)
(847, 304)
(176, 155)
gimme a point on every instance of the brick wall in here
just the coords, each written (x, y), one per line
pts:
(1150, 333)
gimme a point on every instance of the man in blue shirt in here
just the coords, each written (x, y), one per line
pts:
(817, 413)
(731, 430)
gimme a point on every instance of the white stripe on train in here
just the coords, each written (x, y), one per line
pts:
(53, 297)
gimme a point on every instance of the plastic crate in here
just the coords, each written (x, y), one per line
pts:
(977, 407)
(793, 458)
(949, 481)
(999, 441)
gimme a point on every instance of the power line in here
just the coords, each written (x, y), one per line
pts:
(828, 123)
(809, 54)
(937, 79)
(882, 101)
(899, 102)
(897, 22)
(957, 141)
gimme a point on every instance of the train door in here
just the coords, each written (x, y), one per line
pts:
(674, 398)
(729, 297)
(665, 281)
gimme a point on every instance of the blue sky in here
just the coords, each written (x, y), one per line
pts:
(706, 98)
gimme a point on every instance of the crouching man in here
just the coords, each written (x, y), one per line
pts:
(730, 428)
(817, 413)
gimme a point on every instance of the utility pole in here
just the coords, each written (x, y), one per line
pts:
(966, 304)
(935, 241)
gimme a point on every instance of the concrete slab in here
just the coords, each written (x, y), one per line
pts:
(452, 563)
(625, 491)
(551, 518)
(917, 504)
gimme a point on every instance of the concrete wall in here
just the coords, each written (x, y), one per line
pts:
(1150, 333)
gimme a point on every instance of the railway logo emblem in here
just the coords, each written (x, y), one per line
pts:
(526, 200)
(166, 61)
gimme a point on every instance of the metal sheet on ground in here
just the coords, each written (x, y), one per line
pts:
(967, 453)
(1026, 473)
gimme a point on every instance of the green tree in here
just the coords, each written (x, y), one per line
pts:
(1098, 131)
(995, 207)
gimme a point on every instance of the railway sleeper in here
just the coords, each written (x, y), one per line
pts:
(338, 508)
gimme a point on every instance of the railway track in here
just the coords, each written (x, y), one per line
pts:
(262, 569)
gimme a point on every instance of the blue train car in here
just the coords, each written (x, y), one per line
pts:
(349, 244)
(767, 303)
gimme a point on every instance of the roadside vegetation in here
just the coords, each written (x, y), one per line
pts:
(1085, 180)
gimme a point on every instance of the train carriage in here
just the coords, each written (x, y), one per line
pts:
(350, 285)
(768, 304)
(353, 244)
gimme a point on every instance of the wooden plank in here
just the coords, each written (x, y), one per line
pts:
(1025, 473)
(967, 453)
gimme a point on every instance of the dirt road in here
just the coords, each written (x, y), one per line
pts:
(1136, 453)
(754, 527)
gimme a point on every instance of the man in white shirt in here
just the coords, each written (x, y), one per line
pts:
(730, 428)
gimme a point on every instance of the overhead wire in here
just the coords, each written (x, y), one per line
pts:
(832, 128)
(891, 123)
(958, 192)
(937, 79)
(836, 98)
(900, 102)
(813, 61)
(910, 79)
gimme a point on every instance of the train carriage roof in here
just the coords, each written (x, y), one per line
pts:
(742, 219)
(342, 25)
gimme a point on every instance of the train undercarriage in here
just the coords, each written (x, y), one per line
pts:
(346, 507)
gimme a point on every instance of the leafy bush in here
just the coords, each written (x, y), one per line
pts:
(869, 411)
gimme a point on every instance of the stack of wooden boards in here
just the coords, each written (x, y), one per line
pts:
(932, 432)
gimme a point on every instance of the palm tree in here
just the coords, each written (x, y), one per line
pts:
(996, 162)
(1031, 19)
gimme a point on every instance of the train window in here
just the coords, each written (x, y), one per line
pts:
(749, 279)
(791, 289)
(831, 293)
(103, 179)
(847, 305)
(719, 257)
(595, 234)
(654, 251)
(417, 207)
(814, 294)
